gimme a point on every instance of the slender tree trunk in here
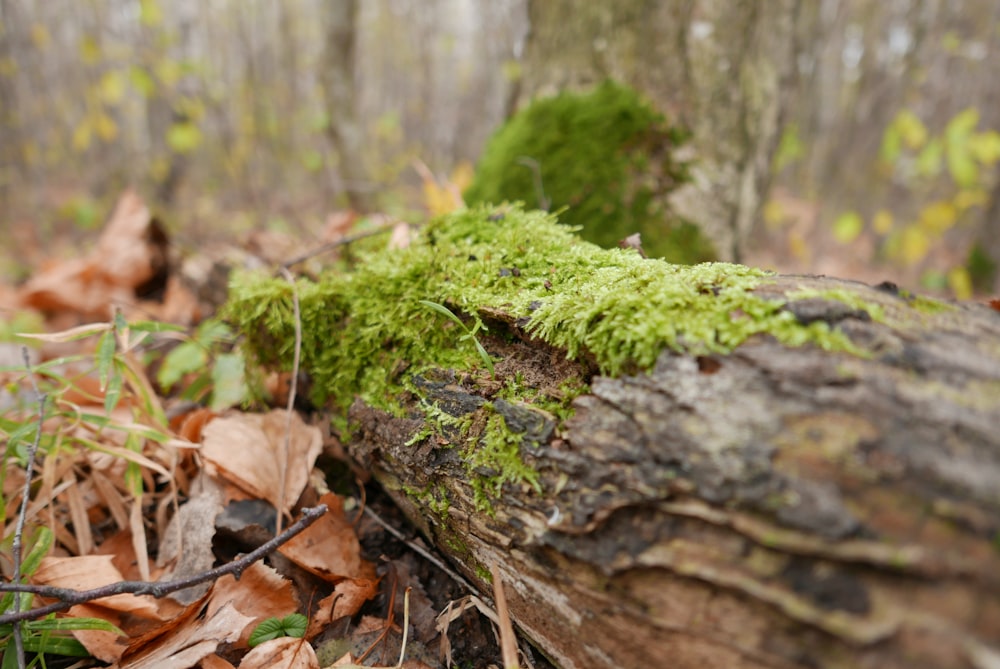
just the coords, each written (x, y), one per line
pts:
(340, 88)
(718, 67)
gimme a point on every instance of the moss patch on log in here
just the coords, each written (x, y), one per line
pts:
(507, 274)
(608, 157)
(366, 333)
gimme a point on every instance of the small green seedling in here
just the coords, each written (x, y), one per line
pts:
(294, 624)
(469, 334)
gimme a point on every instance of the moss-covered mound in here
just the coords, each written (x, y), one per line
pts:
(370, 331)
(607, 156)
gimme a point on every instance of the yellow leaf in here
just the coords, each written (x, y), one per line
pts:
(799, 247)
(30, 152)
(985, 146)
(966, 199)
(938, 217)
(106, 128)
(930, 159)
(40, 36)
(913, 245)
(847, 227)
(8, 67)
(112, 87)
(461, 176)
(82, 136)
(150, 13)
(960, 283)
(882, 222)
(90, 50)
(168, 72)
(774, 214)
(441, 198)
(912, 130)
(184, 137)
(142, 80)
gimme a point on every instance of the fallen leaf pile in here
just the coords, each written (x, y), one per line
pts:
(136, 486)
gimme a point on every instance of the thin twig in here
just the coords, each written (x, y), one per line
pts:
(22, 515)
(292, 391)
(343, 241)
(422, 551)
(536, 172)
(406, 626)
(68, 597)
(508, 641)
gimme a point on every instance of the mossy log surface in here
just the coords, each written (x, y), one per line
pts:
(768, 505)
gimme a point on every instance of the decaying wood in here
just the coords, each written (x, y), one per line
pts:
(775, 507)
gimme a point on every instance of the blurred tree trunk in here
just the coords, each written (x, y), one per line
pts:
(717, 67)
(989, 236)
(9, 160)
(167, 108)
(340, 88)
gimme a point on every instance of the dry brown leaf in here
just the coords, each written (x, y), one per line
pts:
(346, 600)
(180, 305)
(130, 252)
(337, 225)
(187, 644)
(105, 646)
(216, 662)
(246, 450)
(10, 298)
(189, 425)
(187, 541)
(132, 248)
(84, 572)
(282, 653)
(329, 548)
(261, 593)
(71, 334)
(73, 286)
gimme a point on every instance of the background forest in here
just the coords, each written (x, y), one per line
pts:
(849, 137)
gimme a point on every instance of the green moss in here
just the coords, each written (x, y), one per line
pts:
(483, 572)
(852, 300)
(434, 497)
(438, 422)
(366, 334)
(982, 268)
(605, 156)
(495, 460)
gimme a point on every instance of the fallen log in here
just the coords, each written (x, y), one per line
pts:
(684, 467)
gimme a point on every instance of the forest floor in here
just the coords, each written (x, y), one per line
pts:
(153, 465)
(147, 414)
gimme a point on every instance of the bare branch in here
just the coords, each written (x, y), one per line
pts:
(22, 515)
(68, 597)
(343, 241)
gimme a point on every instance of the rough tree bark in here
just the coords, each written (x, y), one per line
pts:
(718, 68)
(775, 507)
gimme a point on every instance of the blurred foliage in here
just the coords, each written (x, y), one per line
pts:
(947, 175)
(608, 157)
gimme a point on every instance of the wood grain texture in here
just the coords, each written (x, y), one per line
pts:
(774, 507)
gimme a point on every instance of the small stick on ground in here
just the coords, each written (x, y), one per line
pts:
(22, 514)
(68, 597)
(508, 641)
